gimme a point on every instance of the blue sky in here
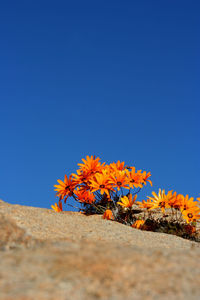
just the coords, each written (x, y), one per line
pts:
(115, 79)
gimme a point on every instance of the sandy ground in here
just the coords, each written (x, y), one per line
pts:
(48, 255)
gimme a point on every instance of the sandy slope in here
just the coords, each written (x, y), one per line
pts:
(47, 255)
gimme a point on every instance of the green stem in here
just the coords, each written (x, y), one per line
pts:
(137, 192)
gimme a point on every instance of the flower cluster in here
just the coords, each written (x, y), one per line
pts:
(182, 207)
(111, 190)
(99, 186)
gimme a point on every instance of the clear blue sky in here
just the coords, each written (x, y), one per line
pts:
(115, 79)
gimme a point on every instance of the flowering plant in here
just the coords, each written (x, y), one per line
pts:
(99, 186)
(179, 213)
(112, 189)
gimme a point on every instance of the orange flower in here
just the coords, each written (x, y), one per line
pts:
(138, 224)
(191, 214)
(127, 201)
(147, 204)
(82, 177)
(57, 207)
(91, 165)
(188, 203)
(119, 166)
(160, 200)
(100, 182)
(119, 179)
(84, 196)
(108, 215)
(66, 188)
(173, 201)
(145, 177)
(178, 202)
(182, 203)
(135, 178)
